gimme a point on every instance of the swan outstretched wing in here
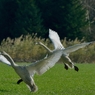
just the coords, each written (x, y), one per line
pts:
(73, 48)
(55, 39)
(4, 60)
(43, 65)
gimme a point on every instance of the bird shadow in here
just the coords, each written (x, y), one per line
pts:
(3, 90)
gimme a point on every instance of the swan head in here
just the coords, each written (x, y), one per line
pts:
(32, 88)
(39, 43)
(3, 53)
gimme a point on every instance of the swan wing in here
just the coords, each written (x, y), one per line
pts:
(55, 39)
(73, 48)
(4, 60)
(45, 64)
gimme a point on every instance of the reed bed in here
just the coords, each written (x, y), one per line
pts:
(25, 49)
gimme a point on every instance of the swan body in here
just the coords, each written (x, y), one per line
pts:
(26, 73)
(66, 51)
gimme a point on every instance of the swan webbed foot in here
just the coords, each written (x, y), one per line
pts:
(65, 66)
(76, 68)
(19, 81)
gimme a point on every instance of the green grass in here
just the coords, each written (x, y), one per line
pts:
(56, 81)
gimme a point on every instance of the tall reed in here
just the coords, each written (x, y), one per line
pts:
(24, 49)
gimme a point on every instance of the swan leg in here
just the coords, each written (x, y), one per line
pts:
(76, 68)
(19, 81)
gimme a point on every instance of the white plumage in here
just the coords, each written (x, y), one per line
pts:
(66, 51)
(55, 39)
(26, 73)
(4, 60)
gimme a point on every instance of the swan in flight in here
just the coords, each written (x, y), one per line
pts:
(66, 51)
(27, 72)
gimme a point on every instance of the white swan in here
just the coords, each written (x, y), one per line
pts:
(66, 51)
(26, 73)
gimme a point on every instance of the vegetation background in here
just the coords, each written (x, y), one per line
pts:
(24, 22)
(70, 18)
(25, 49)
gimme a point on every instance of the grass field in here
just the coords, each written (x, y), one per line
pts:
(56, 81)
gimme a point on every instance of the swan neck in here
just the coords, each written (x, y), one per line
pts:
(46, 47)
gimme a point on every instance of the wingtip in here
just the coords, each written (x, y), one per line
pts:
(91, 42)
(52, 32)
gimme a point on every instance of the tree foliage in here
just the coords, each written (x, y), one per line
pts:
(17, 17)
(67, 17)
(7, 17)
